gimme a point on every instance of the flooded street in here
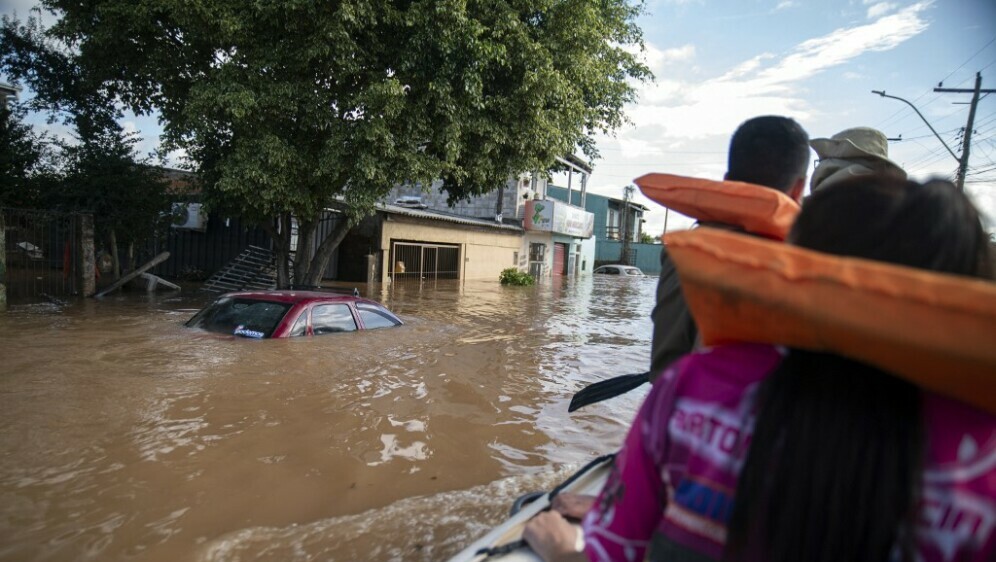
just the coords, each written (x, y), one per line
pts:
(126, 436)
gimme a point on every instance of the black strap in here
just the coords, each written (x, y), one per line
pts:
(500, 550)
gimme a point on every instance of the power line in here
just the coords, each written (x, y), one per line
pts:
(960, 66)
(979, 172)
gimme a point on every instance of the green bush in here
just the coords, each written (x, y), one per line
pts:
(513, 276)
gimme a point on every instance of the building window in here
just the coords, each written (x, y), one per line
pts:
(515, 258)
(537, 252)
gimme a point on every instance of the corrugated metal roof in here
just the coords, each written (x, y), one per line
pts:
(446, 217)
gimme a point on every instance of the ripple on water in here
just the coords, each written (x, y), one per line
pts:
(427, 528)
(126, 435)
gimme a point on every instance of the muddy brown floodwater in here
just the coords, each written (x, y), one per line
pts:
(126, 436)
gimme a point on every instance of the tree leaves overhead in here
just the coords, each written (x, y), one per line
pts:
(99, 172)
(25, 170)
(289, 106)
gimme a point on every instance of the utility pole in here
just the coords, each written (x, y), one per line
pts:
(627, 197)
(967, 142)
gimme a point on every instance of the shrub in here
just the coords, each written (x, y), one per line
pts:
(513, 276)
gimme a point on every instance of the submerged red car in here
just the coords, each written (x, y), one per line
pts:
(284, 314)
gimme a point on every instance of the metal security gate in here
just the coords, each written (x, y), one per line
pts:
(41, 254)
(414, 261)
(559, 255)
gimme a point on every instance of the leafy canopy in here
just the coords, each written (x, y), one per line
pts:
(99, 171)
(25, 169)
(290, 107)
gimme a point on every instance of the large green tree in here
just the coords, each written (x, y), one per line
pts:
(291, 107)
(99, 171)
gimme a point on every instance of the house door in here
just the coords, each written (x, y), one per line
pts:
(559, 258)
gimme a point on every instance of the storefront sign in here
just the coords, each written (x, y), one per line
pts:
(559, 217)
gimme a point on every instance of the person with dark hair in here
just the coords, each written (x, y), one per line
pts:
(769, 151)
(749, 451)
(861, 426)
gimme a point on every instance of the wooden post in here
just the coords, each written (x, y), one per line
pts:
(153, 281)
(147, 266)
(87, 258)
(371, 268)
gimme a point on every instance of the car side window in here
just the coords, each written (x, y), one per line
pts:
(332, 318)
(373, 318)
(611, 271)
(301, 325)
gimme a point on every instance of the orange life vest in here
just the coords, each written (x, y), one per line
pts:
(935, 330)
(754, 208)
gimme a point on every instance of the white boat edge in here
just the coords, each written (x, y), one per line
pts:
(591, 483)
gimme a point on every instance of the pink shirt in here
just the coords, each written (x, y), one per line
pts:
(677, 471)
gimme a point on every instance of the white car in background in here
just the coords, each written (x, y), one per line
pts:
(627, 270)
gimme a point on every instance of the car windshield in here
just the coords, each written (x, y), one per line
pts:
(632, 271)
(242, 317)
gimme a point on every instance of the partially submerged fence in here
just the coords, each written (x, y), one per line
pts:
(45, 254)
(196, 254)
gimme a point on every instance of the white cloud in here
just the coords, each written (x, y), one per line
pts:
(765, 83)
(677, 54)
(785, 4)
(852, 75)
(880, 9)
(680, 114)
(657, 59)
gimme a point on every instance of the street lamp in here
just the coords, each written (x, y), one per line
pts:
(951, 152)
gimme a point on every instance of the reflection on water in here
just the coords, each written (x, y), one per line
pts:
(126, 436)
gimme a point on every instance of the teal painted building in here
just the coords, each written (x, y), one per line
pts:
(612, 223)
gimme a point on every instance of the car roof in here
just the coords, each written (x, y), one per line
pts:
(298, 297)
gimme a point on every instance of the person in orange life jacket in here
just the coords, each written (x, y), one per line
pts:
(831, 458)
(770, 151)
(854, 152)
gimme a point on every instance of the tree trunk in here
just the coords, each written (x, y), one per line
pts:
(325, 249)
(114, 255)
(306, 230)
(279, 232)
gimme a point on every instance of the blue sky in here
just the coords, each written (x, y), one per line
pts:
(720, 62)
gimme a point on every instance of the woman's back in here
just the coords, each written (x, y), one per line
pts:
(696, 429)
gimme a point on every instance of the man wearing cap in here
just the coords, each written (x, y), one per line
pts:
(852, 152)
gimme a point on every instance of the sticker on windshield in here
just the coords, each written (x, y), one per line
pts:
(245, 332)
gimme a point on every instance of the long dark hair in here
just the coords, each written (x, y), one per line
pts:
(836, 459)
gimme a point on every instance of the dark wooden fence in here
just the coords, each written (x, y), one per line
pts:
(195, 255)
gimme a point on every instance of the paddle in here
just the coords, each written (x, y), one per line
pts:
(609, 388)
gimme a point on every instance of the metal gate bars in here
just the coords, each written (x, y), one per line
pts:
(414, 261)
